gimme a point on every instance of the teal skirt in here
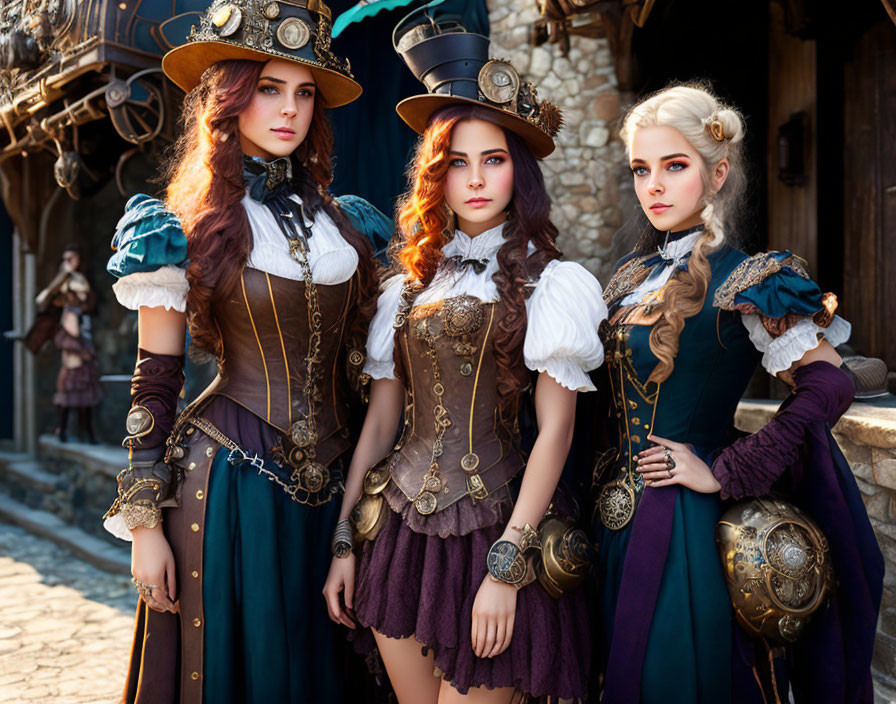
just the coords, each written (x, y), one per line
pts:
(688, 657)
(268, 637)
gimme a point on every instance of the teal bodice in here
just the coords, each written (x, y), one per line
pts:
(687, 657)
(696, 404)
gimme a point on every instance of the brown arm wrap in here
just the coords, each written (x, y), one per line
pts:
(148, 484)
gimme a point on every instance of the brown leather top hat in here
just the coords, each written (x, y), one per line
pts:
(454, 66)
(261, 30)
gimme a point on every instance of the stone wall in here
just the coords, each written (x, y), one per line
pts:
(586, 177)
(867, 436)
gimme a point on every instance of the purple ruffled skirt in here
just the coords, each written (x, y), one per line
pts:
(413, 584)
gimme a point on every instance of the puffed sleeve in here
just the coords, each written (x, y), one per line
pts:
(150, 256)
(783, 310)
(381, 335)
(564, 312)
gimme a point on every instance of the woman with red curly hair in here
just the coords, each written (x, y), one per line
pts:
(230, 504)
(468, 547)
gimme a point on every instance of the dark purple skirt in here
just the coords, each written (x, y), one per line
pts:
(412, 584)
(79, 386)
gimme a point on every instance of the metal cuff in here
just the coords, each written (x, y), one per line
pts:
(341, 543)
(506, 564)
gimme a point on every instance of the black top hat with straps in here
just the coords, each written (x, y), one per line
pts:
(455, 67)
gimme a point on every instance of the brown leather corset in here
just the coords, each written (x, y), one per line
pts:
(265, 329)
(452, 399)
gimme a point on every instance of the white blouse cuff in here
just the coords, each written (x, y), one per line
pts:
(566, 372)
(378, 369)
(779, 353)
(164, 288)
(115, 524)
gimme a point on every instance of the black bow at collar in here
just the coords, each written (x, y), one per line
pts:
(458, 261)
(267, 179)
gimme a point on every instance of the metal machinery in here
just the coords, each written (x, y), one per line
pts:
(66, 66)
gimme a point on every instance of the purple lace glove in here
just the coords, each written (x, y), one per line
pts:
(752, 464)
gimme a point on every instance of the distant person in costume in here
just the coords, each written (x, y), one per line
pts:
(690, 316)
(230, 504)
(70, 299)
(469, 565)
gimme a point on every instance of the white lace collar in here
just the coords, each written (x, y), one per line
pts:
(482, 246)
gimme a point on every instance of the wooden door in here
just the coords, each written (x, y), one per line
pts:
(869, 140)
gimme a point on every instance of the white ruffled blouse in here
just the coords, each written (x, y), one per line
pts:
(332, 260)
(778, 353)
(564, 311)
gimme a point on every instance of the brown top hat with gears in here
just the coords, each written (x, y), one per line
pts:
(292, 30)
(454, 66)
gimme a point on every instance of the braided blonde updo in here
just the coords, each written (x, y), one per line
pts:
(716, 131)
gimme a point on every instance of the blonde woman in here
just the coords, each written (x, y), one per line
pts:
(690, 316)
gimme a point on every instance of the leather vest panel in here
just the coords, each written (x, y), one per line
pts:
(265, 328)
(478, 451)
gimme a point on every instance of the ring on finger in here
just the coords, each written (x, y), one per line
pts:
(142, 586)
(670, 461)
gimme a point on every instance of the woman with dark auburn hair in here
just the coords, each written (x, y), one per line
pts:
(230, 504)
(468, 545)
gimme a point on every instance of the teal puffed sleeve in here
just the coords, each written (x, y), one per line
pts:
(148, 237)
(783, 309)
(150, 256)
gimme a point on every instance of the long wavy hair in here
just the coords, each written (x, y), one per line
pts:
(205, 188)
(692, 109)
(423, 224)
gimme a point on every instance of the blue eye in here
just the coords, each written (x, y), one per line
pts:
(457, 162)
(495, 160)
(639, 170)
(305, 93)
(268, 89)
(677, 166)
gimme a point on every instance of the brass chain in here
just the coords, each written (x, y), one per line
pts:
(425, 501)
(311, 475)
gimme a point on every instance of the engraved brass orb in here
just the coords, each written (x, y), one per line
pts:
(777, 567)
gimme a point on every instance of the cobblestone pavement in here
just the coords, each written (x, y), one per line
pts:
(65, 627)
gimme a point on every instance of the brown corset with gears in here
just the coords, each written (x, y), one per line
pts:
(455, 442)
(265, 329)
